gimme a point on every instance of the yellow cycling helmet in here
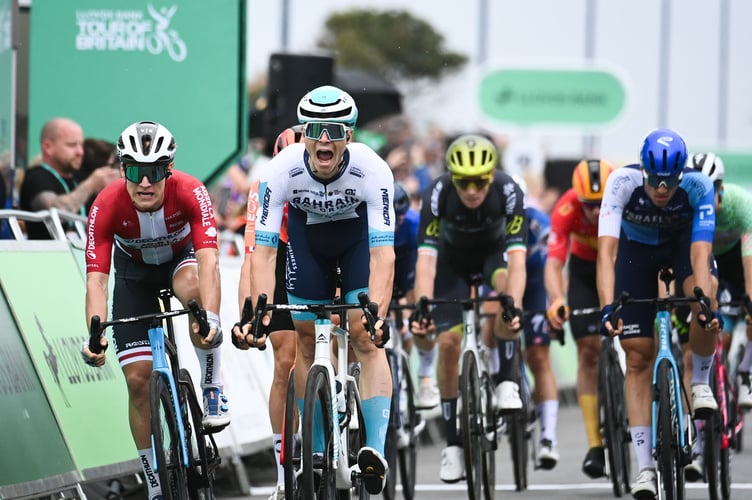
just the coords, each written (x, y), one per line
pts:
(589, 179)
(471, 156)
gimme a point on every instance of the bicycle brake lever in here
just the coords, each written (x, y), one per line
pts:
(200, 315)
(368, 311)
(246, 316)
(257, 317)
(95, 333)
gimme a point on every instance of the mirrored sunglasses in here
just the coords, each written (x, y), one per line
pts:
(334, 131)
(590, 205)
(656, 181)
(464, 183)
(154, 173)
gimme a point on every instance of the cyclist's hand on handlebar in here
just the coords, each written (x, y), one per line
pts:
(382, 330)
(511, 315)
(557, 314)
(607, 328)
(421, 324)
(243, 337)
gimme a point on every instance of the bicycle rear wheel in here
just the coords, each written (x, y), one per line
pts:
(356, 435)
(612, 412)
(318, 480)
(203, 457)
(518, 444)
(670, 468)
(166, 439)
(471, 425)
(393, 431)
(290, 452)
(410, 420)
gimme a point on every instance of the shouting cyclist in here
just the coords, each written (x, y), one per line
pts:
(471, 219)
(656, 213)
(340, 213)
(161, 224)
(281, 329)
(574, 235)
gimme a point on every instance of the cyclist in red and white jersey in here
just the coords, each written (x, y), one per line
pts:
(161, 225)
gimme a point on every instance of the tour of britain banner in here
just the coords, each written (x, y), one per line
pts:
(107, 64)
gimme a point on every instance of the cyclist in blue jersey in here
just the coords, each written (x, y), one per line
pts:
(406, 255)
(656, 213)
(340, 216)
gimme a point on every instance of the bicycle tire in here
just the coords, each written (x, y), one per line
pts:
(668, 439)
(166, 439)
(728, 436)
(356, 435)
(612, 418)
(203, 458)
(408, 459)
(317, 393)
(518, 446)
(471, 428)
(488, 463)
(392, 433)
(712, 446)
(290, 452)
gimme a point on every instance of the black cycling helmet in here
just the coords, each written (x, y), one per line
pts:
(401, 199)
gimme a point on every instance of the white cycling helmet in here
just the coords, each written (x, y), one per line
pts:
(328, 104)
(147, 143)
(709, 164)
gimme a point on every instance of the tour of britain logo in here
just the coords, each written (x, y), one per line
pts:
(130, 30)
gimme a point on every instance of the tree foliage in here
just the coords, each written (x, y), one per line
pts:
(392, 44)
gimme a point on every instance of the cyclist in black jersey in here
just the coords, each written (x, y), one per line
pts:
(472, 221)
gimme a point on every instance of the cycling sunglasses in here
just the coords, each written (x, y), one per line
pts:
(335, 131)
(656, 181)
(154, 173)
(464, 183)
(590, 205)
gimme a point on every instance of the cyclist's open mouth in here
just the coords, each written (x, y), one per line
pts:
(324, 156)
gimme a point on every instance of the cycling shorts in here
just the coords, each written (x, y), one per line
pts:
(135, 293)
(583, 294)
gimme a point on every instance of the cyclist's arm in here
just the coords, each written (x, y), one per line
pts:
(210, 289)
(517, 275)
(97, 295)
(381, 276)
(701, 253)
(553, 276)
(425, 272)
(244, 283)
(608, 247)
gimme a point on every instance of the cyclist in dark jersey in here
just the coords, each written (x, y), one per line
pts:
(157, 226)
(472, 221)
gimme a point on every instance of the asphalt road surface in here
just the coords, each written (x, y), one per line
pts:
(566, 481)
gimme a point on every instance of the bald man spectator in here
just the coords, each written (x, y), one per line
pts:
(53, 183)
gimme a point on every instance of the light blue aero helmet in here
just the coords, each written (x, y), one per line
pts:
(328, 104)
(664, 153)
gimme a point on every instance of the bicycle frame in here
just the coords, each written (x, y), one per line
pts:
(663, 323)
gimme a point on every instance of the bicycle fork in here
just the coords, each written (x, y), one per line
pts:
(159, 363)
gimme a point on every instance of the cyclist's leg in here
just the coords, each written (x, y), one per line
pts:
(135, 293)
(537, 356)
(581, 294)
(185, 285)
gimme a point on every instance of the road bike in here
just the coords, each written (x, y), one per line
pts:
(725, 426)
(477, 415)
(404, 419)
(331, 409)
(185, 453)
(672, 431)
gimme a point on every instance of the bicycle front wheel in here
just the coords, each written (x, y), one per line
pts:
(394, 430)
(489, 438)
(410, 420)
(203, 458)
(318, 480)
(612, 412)
(166, 439)
(290, 453)
(669, 466)
(471, 425)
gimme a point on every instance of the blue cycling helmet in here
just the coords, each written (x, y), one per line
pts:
(664, 153)
(401, 200)
(328, 104)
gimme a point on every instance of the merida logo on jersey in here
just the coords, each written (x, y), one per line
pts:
(385, 206)
(265, 204)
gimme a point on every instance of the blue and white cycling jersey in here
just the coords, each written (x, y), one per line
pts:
(626, 207)
(363, 189)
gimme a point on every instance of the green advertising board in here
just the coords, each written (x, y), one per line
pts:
(7, 74)
(33, 452)
(570, 97)
(89, 404)
(107, 64)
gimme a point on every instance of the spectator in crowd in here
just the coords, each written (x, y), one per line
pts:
(53, 183)
(97, 153)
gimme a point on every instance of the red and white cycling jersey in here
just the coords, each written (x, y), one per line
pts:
(155, 237)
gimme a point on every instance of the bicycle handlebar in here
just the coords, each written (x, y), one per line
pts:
(97, 326)
(662, 302)
(506, 301)
(744, 302)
